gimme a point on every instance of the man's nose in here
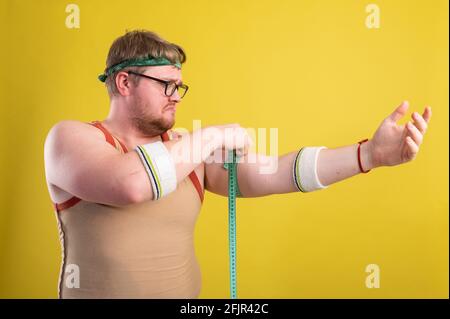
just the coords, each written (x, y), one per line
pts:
(175, 97)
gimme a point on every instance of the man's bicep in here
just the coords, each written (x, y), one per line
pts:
(216, 178)
(85, 166)
(254, 173)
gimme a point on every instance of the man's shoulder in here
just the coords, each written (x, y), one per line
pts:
(69, 131)
(71, 127)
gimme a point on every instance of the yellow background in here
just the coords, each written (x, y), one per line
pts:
(313, 70)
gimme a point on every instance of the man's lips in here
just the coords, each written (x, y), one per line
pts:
(171, 108)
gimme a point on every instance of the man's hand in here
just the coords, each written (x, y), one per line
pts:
(229, 137)
(393, 144)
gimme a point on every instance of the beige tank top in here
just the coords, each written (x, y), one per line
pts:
(144, 250)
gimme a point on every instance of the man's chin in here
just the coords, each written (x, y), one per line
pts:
(170, 124)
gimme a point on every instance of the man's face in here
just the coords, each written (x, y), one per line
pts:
(151, 111)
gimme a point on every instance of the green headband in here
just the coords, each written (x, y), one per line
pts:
(147, 61)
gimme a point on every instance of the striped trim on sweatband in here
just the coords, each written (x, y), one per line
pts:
(160, 168)
(305, 169)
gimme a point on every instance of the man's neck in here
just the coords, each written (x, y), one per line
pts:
(122, 128)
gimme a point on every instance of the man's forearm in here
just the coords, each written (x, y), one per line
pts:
(334, 165)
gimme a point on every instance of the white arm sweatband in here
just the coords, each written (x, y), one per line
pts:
(160, 168)
(305, 169)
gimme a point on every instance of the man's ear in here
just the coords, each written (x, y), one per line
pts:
(123, 83)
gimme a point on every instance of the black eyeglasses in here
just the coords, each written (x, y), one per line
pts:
(170, 86)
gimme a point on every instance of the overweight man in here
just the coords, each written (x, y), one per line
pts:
(126, 204)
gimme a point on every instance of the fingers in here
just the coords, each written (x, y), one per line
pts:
(236, 138)
(399, 112)
(413, 148)
(427, 114)
(242, 151)
(419, 122)
(414, 133)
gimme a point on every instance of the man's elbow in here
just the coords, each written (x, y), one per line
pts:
(134, 192)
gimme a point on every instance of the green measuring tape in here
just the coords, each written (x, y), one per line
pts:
(233, 191)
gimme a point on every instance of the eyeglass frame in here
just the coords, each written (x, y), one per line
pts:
(166, 83)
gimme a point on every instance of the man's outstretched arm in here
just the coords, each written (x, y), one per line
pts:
(333, 165)
(391, 145)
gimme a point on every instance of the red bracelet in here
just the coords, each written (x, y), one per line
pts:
(359, 156)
